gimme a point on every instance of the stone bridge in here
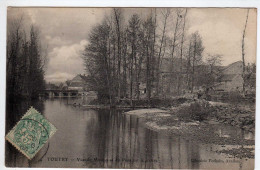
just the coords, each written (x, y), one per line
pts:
(61, 93)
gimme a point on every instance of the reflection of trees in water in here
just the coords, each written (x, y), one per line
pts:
(103, 121)
(14, 112)
(109, 134)
(120, 138)
(195, 155)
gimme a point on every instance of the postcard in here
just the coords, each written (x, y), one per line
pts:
(139, 88)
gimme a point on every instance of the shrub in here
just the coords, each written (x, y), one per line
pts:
(198, 110)
(235, 97)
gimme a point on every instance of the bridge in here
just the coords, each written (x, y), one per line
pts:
(60, 93)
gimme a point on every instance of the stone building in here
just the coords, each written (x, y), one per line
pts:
(231, 79)
(79, 82)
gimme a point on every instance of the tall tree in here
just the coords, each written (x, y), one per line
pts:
(97, 62)
(174, 44)
(118, 22)
(25, 62)
(149, 42)
(243, 52)
(197, 54)
(36, 72)
(165, 15)
(133, 31)
(181, 50)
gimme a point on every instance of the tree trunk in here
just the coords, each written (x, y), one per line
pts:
(193, 64)
(181, 55)
(243, 53)
(160, 52)
(117, 15)
(173, 49)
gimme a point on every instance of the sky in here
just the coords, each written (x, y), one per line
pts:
(64, 33)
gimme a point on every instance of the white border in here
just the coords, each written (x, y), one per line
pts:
(113, 3)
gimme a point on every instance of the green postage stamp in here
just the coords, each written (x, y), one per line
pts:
(31, 133)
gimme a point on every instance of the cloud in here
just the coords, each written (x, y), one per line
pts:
(58, 77)
(65, 62)
(56, 41)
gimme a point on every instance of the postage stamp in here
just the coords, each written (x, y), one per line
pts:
(31, 133)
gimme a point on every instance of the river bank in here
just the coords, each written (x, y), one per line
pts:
(217, 124)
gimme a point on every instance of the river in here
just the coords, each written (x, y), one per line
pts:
(109, 139)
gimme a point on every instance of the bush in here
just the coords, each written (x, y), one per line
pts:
(156, 102)
(235, 97)
(198, 110)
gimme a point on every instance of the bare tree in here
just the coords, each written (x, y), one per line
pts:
(213, 72)
(148, 43)
(165, 15)
(118, 21)
(181, 52)
(174, 45)
(197, 54)
(133, 31)
(243, 52)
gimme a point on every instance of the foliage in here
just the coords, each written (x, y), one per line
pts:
(198, 110)
(140, 58)
(235, 97)
(25, 62)
(250, 76)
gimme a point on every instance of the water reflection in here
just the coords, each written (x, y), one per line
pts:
(110, 139)
(226, 131)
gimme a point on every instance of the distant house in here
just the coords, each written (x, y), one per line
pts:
(231, 79)
(170, 71)
(79, 82)
(63, 86)
(50, 86)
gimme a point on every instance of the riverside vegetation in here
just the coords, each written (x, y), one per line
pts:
(198, 119)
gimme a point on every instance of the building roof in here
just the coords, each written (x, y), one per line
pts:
(234, 68)
(50, 86)
(79, 81)
(84, 77)
(76, 84)
(228, 77)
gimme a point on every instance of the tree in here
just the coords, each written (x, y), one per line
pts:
(118, 22)
(132, 34)
(196, 54)
(250, 76)
(97, 62)
(165, 15)
(213, 72)
(181, 50)
(25, 62)
(36, 72)
(243, 52)
(149, 43)
(174, 45)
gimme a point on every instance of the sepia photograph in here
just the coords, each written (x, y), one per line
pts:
(130, 88)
